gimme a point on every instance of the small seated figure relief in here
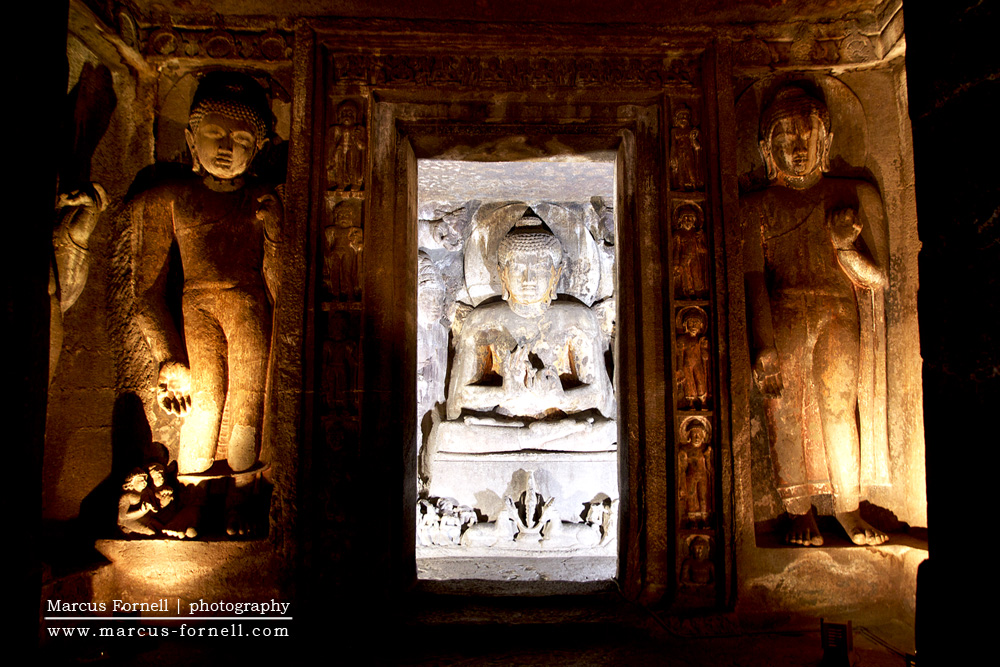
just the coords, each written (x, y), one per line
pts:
(531, 523)
(346, 144)
(134, 505)
(690, 254)
(698, 569)
(816, 303)
(172, 518)
(227, 228)
(443, 522)
(694, 462)
(685, 157)
(693, 359)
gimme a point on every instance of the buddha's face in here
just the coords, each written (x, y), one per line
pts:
(224, 146)
(796, 144)
(697, 437)
(529, 278)
(682, 119)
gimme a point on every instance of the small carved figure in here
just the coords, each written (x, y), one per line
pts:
(340, 377)
(428, 523)
(685, 159)
(690, 253)
(346, 146)
(811, 282)
(171, 518)
(343, 262)
(432, 336)
(79, 211)
(443, 522)
(133, 507)
(534, 522)
(697, 569)
(693, 358)
(450, 525)
(225, 226)
(694, 461)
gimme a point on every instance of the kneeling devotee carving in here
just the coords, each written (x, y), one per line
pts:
(529, 362)
(813, 287)
(225, 226)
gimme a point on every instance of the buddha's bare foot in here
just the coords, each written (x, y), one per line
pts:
(860, 531)
(803, 530)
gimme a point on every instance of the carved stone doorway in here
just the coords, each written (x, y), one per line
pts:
(517, 419)
(415, 100)
(622, 140)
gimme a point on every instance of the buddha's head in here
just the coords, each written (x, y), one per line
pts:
(795, 138)
(228, 124)
(529, 261)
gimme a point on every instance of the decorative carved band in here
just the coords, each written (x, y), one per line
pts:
(514, 71)
(223, 44)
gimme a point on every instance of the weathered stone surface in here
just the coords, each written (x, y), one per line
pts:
(816, 299)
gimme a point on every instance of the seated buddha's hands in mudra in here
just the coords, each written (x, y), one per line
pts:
(522, 379)
(173, 389)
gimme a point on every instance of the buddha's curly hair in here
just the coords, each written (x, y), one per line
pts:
(233, 95)
(788, 101)
(533, 240)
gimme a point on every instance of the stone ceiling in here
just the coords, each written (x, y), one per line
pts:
(555, 179)
(664, 12)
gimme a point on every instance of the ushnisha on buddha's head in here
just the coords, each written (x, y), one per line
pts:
(228, 124)
(529, 261)
(795, 138)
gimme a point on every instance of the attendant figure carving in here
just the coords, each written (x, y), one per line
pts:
(694, 460)
(78, 214)
(346, 149)
(685, 158)
(814, 291)
(690, 253)
(697, 569)
(133, 506)
(693, 358)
